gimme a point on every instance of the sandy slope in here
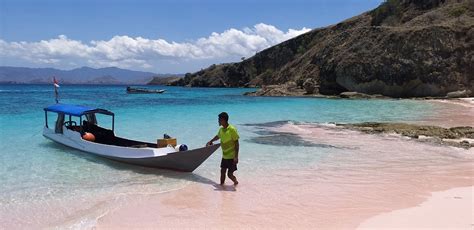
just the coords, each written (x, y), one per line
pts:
(451, 209)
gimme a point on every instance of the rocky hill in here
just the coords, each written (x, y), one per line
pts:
(165, 80)
(403, 48)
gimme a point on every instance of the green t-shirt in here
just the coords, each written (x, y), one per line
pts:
(228, 137)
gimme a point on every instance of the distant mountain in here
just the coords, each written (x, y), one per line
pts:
(83, 75)
(104, 80)
(403, 48)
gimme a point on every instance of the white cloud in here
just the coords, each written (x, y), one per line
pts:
(143, 53)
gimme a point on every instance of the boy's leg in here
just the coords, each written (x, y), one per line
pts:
(223, 175)
(230, 174)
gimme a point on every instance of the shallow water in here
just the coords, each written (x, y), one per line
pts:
(46, 184)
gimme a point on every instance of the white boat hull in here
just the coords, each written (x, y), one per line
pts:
(167, 157)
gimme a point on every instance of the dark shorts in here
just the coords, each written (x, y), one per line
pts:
(228, 164)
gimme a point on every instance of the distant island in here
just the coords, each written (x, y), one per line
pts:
(403, 48)
(165, 80)
(83, 75)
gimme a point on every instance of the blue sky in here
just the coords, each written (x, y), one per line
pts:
(158, 36)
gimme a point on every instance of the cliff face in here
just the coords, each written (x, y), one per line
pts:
(403, 48)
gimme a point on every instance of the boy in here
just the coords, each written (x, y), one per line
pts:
(230, 147)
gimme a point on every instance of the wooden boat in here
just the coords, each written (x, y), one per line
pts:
(144, 90)
(74, 121)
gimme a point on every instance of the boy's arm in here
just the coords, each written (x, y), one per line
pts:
(236, 158)
(212, 140)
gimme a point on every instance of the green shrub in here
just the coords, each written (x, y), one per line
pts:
(301, 49)
(470, 5)
(267, 76)
(457, 12)
(426, 4)
(386, 9)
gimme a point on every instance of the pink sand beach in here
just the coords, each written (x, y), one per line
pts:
(380, 182)
(453, 112)
(451, 209)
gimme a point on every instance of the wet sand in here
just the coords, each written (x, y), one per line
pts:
(451, 209)
(367, 175)
(453, 112)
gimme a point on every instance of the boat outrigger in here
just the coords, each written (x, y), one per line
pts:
(104, 143)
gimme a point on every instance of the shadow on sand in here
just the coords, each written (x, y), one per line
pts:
(225, 188)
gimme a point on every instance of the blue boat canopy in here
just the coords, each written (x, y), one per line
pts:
(75, 110)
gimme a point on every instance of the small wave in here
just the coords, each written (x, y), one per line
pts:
(466, 102)
(327, 124)
(23, 91)
(270, 124)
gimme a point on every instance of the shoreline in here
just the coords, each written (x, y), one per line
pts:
(461, 136)
(338, 187)
(452, 112)
(300, 169)
(338, 192)
(291, 90)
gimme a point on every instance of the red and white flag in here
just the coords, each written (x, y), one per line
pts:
(55, 82)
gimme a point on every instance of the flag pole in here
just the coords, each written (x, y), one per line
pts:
(56, 86)
(56, 94)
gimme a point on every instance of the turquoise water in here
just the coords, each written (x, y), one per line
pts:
(39, 176)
